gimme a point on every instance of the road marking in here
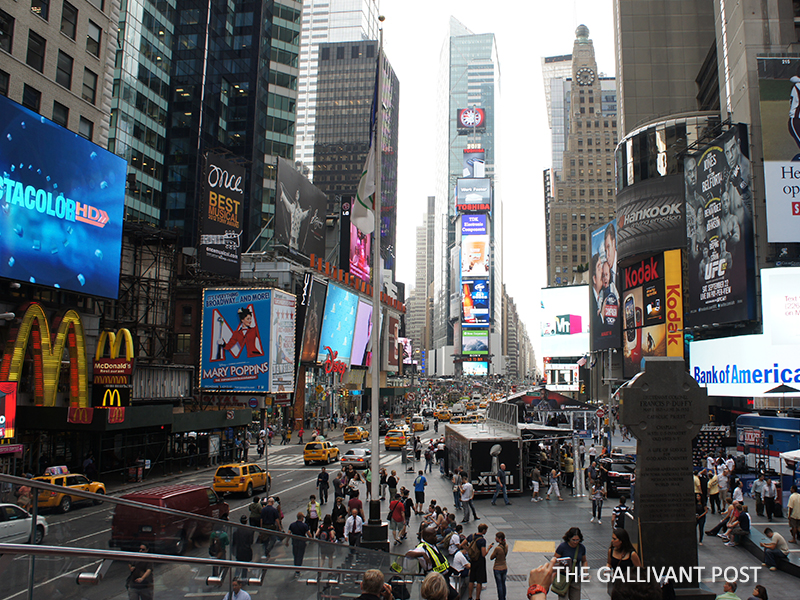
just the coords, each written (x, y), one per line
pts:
(52, 579)
(90, 535)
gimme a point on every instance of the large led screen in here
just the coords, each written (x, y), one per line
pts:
(282, 364)
(314, 299)
(474, 225)
(474, 163)
(360, 247)
(222, 216)
(338, 324)
(300, 210)
(235, 339)
(719, 233)
(474, 195)
(361, 354)
(475, 303)
(408, 351)
(604, 295)
(475, 256)
(565, 321)
(8, 405)
(475, 341)
(62, 201)
(475, 369)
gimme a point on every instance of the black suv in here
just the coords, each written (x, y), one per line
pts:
(619, 473)
(384, 425)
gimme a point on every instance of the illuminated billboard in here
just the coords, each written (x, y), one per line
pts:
(565, 321)
(314, 302)
(222, 212)
(470, 119)
(475, 303)
(360, 247)
(779, 95)
(62, 200)
(8, 406)
(475, 369)
(474, 162)
(474, 225)
(475, 341)
(474, 195)
(719, 233)
(604, 295)
(361, 353)
(408, 351)
(281, 348)
(300, 210)
(562, 378)
(475, 256)
(338, 324)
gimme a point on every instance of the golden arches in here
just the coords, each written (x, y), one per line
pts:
(115, 343)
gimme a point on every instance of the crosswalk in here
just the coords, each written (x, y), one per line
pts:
(296, 460)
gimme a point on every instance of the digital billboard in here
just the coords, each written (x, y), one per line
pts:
(470, 119)
(779, 105)
(222, 213)
(314, 302)
(474, 225)
(360, 248)
(392, 337)
(63, 202)
(300, 211)
(338, 324)
(474, 195)
(562, 378)
(360, 356)
(8, 406)
(719, 233)
(475, 303)
(565, 321)
(475, 369)
(604, 295)
(235, 339)
(651, 310)
(474, 162)
(475, 341)
(281, 352)
(475, 256)
(408, 351)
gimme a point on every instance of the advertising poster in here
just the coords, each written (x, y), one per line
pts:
(300, 210)
(475, 369)
(222, 213)
(474, 162)
(393, 335)
(474, 225)
(604, 301)
(475, 303)
(62, 211)
(360, 248)
(779, 95)
(475, 256)
(338, 324)
(282, 368)
(314, 298)
(362, 347)
(562, 378)
(8, 405)
(408, 351)
(719, 233)
(565, 321)
(470, 119)
(474, 195)
(235, 339)
(475, 341)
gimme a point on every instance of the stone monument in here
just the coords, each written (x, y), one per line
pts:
(664, 408)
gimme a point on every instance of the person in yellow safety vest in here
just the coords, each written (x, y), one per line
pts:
(429, 557)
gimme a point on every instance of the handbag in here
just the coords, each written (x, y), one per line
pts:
(560, 585)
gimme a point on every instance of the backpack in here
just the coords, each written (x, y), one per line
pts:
(215, 547)
(473, 552)
(324, 535)
(444, 545)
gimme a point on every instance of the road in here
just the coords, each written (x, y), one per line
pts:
(89, 526)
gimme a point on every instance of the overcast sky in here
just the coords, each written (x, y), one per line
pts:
(525, 30)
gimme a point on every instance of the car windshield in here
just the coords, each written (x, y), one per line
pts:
(313, 446)
(351, 430)
(395, 434)
(624, 468)
(228, 472)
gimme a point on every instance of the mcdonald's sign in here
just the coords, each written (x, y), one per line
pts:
(112, 385)
(47, 352)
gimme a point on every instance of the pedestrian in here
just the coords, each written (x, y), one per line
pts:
(301, 532)
(323, 485)
(242, 544)
(255, 512)
(769, 493)
(300, 433)
(460, 572)
(312, 513)
(428, 460)
(701, 510)
(755, 494)
(728, 591)
(270, 435)
(327, 533)
(373, 587)
(477, 550)
(794, 514)
(500, 484)
(409, 505)
(383, 482)
(598, 495)
(427, 554)
(218, 547)
(456, 539)
(353, 528)
(569, 469)
(397, 518)
(368, 482)
(572, 548)
(759, 593)
(713, 494)
(260, 447)
(339, 516)
(245, 449)
(467, 494)
(536, 481)
(419, 491)
(500, 566)
(723, 481)
(621, 511)
(391, 482)
(622, 559)
(338, 486)
(456, 481)
(553, 489)
(441, 456)
(140, 582)
(592, 453)
(270, 520)
(738, 492)
(238, 593)
(775, 550)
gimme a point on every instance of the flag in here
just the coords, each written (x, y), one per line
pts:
(363, 214)
(582, 361)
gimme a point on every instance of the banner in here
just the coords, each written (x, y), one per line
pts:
(474, 225)
(565, 321)
(282, 364)
(475, 252)
(113, 376)
(474, 162)
(222, 216)
(314, 302)
(475, 341)
(719, 232)
(361, 354)
(475, 303)
(300, 210)
(474, 195)
(604, 301)
(338, 324)
(8, 406)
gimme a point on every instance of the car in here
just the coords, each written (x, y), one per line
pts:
(427, 412)
(64, 501)
(355, 434)
(621, 474)
(443, 415)
(470, 406)
(15, 526)
(242, 478)
(457, 420)
(324, 452)
(419, 423)
(483, 405)
(358, 457)
(395, 439)
(384, 425)
(408, 419)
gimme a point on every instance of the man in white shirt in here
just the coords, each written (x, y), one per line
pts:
(238, 593)
(455, 540)
(458, 579)
(466, 498)
(353, 528)
(769, 493)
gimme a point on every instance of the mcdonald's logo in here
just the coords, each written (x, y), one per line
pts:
(80, 415)
(111, 397)
(115, 343)
(47, 352)
(116, 415)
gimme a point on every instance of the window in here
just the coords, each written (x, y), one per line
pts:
(36, 46)
(325, 54)
(31, 98)
(370, 51)
(93, 39)
(97, 3)
(41, 8)
(60, 114)
(86, 128)
(355, 52)
(184, 344)
(64, 70)
(340, 53)
(6, 30)
(69, 20)
(4, 82)
(89, 86)
(186, 320)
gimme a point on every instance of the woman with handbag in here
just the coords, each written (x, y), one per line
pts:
(570, 554)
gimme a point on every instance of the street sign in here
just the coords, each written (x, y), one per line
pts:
(253, 402)
(410, 396)
(600, 413)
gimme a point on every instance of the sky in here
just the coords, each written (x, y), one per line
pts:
(525, 31)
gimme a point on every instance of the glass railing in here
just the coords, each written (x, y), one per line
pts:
(95, 551)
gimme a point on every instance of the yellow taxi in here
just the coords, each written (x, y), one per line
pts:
(320, 452)
(419, 423)
(408, 419)
(471, 406)
(443, 415)
(395, 438)
(456, 420)
(355, 434)
(63, 501)
(241, 478)
(483, 404)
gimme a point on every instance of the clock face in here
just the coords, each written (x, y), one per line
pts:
(585, 76)
(471, 117)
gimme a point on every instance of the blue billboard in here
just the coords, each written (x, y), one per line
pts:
(235, 339)
(338, 324)
(63, 200)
